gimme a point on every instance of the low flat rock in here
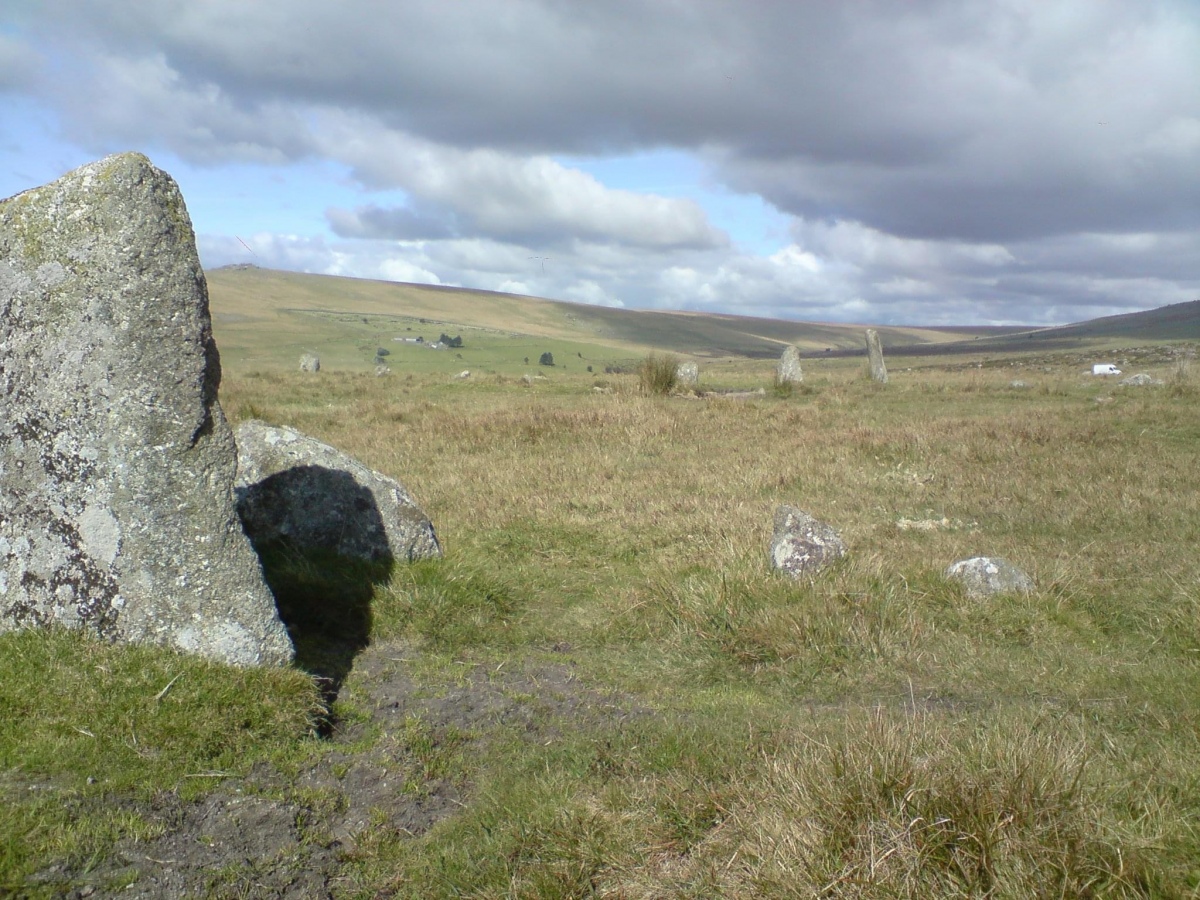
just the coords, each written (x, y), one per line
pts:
(295, 489)
(802, 546)
(1139, 380)
(116, 462)
(987, 576)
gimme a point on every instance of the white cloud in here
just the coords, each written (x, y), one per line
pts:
(488, 192)
(117, 102)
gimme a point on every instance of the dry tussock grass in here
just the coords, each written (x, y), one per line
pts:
(635, 526)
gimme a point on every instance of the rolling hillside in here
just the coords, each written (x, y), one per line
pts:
(264, 317)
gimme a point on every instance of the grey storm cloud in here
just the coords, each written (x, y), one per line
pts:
(394, 223)
(1010, 154)
(978, 119)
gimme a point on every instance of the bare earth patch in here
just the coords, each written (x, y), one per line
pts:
(270, 836)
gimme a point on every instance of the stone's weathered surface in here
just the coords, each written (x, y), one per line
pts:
(789, 371)
(1017, 384)
(116, 462)
(985, 576)
(295, 489)
(1139, 379)
(801, 545)
(875, 356)
(687, 374)
(310, 362)
(381, 371)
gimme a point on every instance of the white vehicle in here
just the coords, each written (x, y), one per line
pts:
(1105, 369)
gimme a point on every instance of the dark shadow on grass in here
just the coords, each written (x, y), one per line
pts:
(324, 550)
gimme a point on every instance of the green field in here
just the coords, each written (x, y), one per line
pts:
(603, 691)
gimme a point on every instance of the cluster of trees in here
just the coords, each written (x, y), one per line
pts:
(446, 341)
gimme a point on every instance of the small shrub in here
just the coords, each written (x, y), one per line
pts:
(658, 374)
(790, 388)
(546, 359)
(1180, 379)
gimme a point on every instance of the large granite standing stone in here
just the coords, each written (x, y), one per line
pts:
(294, 489)
(116, 462)
(789, 371)
(875, 356)
(802, 546)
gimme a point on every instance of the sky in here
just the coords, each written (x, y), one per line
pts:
(920, 162)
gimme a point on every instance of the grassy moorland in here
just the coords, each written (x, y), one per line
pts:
(616, 698)
(266, 319)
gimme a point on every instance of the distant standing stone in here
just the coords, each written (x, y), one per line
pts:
(789, 371)
(295, 489)
(801, 545)
(687, 374)
(310, 362)
(116, 462)
(875, 355)
(985, 576)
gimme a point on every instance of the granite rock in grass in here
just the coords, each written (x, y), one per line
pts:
(802, 546)
(1139, 380)
(986, 576)
(310, 362)
(116, 462)
(875, 357)
(295, 490)
(789, 370)
(687, 374)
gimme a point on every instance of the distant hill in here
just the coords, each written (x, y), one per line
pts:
(1177, 322)
(252, 306)
(264, 317)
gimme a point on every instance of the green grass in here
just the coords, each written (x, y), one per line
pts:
(874, 733)
(88, 722)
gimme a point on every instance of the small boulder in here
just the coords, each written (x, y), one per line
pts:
(789, 371)
(1018, 384)
(310, 362)
(801, 545)
(1139, 379)
(464, 374)
(381, 371)
(292, 488)
(986, 576)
